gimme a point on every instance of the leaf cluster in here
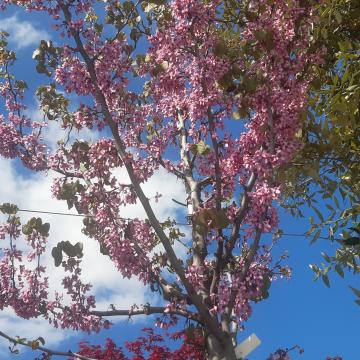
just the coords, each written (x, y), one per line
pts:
(327, 169)
(68, 249)
(37, 225)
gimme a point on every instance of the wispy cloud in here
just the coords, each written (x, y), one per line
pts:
(22, 33)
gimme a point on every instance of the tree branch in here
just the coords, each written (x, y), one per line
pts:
(147, 310)
(218, 196)
(210, 320)
(193, 190)
(225, 317)
(239, 218)
(174, 171)
(44, 349)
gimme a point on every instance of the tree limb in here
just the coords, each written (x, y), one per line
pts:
(239, 218)
(225, 317)
(147, 310)
(210, 320)
(44, 349)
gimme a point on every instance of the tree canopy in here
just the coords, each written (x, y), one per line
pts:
(241, 101)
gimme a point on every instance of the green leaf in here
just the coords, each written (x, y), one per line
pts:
(57, 255)
(351, 241)
(44, 230)
(316, 236)
(26, 229)
(236, 115)
(103, 249)
(326, 257)
(318, 213)
(38, 224)
(78, 248)
(338, 17)
(326, 280)
(355, 291)
(68, 248)
(339, 270)
(352, 87)
(9, 209)
(134, 34)
(200, 148)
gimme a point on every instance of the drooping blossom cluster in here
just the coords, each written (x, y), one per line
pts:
(24, 284)
(75, 315)
(253, 288)
(16, 142)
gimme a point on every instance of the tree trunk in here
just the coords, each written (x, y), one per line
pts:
(216, 351)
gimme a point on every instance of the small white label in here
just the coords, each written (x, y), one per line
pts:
(247, 346)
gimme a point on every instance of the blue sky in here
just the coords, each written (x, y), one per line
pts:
(299, 311)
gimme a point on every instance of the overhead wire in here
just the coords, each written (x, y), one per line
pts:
(80, 215)
(128, 219)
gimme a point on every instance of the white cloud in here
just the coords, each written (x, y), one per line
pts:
(22, 33)
(108, 285)
(15, 326)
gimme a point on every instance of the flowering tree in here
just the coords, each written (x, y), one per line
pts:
(198, 82)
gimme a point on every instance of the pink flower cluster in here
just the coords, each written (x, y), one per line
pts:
(252, 288)
(18, 137)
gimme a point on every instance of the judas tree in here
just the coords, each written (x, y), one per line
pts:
(217, 109)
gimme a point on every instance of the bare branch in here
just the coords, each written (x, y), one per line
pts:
(44, 349)
(174, 171)
(205, 182)
(147, 310)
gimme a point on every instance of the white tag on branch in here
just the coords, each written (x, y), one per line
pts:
(247, 346)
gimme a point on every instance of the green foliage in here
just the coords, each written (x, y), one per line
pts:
(8, 208)
(327, 169)
(36, 224)
(200, 148)
(53, 104)
(69, 191)
(210, 218)
(70, 250)
(346, 257)
(47, 57)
